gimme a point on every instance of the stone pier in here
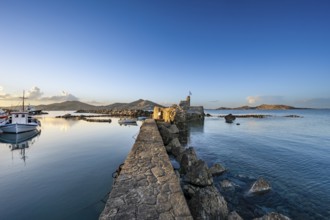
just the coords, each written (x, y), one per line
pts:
(147, 187)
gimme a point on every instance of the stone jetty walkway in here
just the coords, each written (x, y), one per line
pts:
(147, 187)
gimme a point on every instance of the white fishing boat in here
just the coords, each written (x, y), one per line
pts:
(19, 122)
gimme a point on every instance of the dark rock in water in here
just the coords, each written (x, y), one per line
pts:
(176, 148)
(273, 216)
(234, 216)
(230, 118)
(208, 115)
(167, 136)
(207, 203)
(226, 184)
(198, 174)
(217, 169)
(238, 124)
(260, 186)
(293, 116)
(188, 158)
(66, 116)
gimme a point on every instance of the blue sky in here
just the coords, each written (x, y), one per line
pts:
(227, 53)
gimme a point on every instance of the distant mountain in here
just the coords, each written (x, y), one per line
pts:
(76, 105)
(66, 106)
(136, 105)
(260, 107)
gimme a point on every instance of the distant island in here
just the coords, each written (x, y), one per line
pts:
(261, 107)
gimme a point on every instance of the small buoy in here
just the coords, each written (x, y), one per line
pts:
(237, 123)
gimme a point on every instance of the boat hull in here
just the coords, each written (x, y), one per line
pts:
(12, 138)
(18, 128)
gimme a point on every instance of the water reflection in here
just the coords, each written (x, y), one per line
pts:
(20, 141)
(186, 128)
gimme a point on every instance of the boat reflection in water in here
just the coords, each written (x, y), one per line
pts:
(20, 141)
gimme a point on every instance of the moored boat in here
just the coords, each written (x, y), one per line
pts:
(32, 111)
(126, 121)
(19, 122)
(142, 118)
(3, 115)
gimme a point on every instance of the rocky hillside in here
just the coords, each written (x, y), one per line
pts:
(136, 105)
(66, 106)
(274, 107)
(76, 105)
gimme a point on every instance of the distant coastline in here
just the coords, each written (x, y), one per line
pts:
(145, 105)
(262, 107)
(140, 104)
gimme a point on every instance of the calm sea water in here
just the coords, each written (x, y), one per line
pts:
(65, 172)
(293, 154)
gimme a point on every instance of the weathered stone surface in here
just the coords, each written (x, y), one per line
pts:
(147, 187)
(273, 216)
(177, 149)
(234, 216)
(217, 169)
(198, 174)
(165, 134)
(166, 216)
(188, 158)
(207, 203)
(173, 129)
(260, 186)
(179, 113)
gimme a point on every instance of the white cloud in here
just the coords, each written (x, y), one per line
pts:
(252, 99)
(64, 96)
(34, 93)
(4, 95)
(258, 100)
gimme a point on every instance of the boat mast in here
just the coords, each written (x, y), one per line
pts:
(23, 99)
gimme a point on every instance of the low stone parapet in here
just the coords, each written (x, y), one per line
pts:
(147, 187)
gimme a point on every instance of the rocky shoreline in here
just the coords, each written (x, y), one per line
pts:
(119, 113)
(198, 181)
(105, 114)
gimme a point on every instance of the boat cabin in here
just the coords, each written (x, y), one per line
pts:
(19, 118)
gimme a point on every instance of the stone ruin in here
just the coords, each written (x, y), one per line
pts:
(179, 113)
